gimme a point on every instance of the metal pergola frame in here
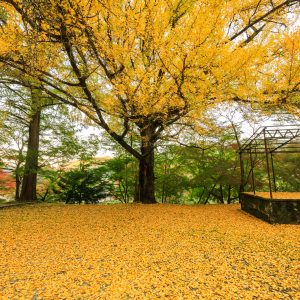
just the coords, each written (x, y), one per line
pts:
(270, 140)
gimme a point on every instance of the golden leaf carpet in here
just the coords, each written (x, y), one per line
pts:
(145, 252)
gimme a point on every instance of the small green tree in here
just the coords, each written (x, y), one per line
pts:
(172, 177)
(122, 173)
(83, 185)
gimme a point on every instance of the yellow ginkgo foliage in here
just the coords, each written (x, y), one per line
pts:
(135, 67)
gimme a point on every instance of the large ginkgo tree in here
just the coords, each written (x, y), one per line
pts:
(136, 67)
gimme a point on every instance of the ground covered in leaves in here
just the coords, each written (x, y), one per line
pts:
(145, 252)
(279, 195)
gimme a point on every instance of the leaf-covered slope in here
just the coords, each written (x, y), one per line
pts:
(146, 252)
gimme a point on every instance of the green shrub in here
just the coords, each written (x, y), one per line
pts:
(83, 185)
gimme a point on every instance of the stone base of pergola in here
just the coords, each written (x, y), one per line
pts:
(283, 208)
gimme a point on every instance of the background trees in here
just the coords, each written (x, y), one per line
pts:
(37, 134)
(189, 170)
(138, 67)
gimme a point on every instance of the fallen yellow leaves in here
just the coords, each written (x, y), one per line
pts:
(145, 252)
(278, 195)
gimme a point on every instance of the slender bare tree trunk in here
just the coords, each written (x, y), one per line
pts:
(18, 184)
(221, 194)
(242, 167)
(229, 194)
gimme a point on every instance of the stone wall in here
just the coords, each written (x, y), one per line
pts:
(283, 211)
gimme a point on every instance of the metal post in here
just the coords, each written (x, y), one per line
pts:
(268, 164)
(252, 171)
(273, 171)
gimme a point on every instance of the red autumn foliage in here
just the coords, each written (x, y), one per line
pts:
(7, 181)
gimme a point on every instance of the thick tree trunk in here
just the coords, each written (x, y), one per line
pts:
(28, 191)
(146, 191)
(146, 179)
